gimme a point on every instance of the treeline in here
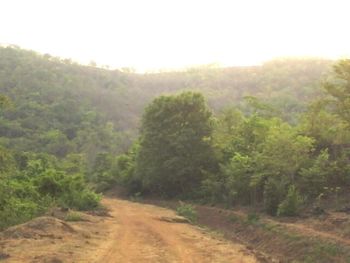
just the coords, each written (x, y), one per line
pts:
(252, 158)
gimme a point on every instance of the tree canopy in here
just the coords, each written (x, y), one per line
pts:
(175, 144)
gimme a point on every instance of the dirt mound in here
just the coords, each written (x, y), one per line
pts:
(38, 228)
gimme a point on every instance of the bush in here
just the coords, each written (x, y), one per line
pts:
(291, 205)
(49, 183)
(70, 191)
(17, 211)
(19, 202)
(84, 200)
(187, 211)
(273, 192)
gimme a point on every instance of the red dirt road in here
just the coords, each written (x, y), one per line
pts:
(141, 236)
(135, 233)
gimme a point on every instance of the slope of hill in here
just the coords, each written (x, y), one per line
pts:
(62, 107)
(286, 83)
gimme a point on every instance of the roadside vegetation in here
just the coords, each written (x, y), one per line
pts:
(252, 158)
(32, 183)
(187, 211)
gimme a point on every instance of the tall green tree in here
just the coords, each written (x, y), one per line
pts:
(175, 147)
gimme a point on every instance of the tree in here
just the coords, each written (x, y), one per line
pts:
(175, 146)
(339, 89)
(291, 205)
(284, 152)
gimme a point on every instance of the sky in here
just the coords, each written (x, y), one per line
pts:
(170, 34)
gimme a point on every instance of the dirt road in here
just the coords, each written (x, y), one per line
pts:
(142, 236)
(134, 233)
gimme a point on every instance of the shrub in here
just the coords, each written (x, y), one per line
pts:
(18, 211)
(187, 211)
(27, 193)
(273, 192)
(19, 202)
(291, 205)
(84, 200)
(73, 216)
(75, 193)
(49, 183)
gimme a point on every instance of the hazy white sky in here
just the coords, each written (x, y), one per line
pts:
(150, 34)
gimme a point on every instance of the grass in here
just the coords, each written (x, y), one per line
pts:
(187, 211)
(307, 249)
(73, 216)
(322, 251)
(252, 219)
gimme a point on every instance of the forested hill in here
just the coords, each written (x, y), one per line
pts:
(61, 107)
(286, 83)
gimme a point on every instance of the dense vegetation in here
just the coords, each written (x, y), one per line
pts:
(30, 183)
(252, 157)
(65, 128)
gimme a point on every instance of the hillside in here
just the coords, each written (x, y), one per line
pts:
(61, 106)
(286, 83)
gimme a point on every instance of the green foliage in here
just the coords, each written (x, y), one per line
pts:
(17, 211)
(291, 204)
(274, 191)
(187, 211)
(36, 183)
(5, 102)
(325, 126)
(19, 202)
(262, 155)
(284, 152)
(339, 89)
(175, 145)
(77, 195)
(237, 177)
(212, 189)
(101, 172)
(314, 178)
(124, 170)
